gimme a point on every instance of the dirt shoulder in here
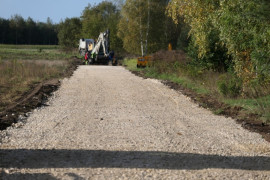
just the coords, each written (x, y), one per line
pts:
(247, 121)
(35, 97)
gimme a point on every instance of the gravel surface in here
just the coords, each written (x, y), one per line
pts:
(106, 123)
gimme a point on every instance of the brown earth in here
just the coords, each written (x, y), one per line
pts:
(35, 97)
(250, 122)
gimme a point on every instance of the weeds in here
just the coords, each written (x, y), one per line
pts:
(22, 66)
(229, 85)
(17, 76)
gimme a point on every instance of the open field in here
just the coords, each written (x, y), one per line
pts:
(14, 46)
(24, 66)
(34, 52)
(16, 77)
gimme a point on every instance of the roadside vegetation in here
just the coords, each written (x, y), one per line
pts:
(217, 86)
(222, 49)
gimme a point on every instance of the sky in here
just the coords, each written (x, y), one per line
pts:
(40, 10)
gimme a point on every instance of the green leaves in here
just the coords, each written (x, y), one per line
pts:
(242, 26)
(98, 19)
(69, 32)
(133, 26)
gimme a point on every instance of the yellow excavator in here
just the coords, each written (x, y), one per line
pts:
(146, 60)
(143, 61)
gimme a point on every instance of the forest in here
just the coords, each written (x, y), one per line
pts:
(18, 30)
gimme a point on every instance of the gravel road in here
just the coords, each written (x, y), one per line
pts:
(106, 123)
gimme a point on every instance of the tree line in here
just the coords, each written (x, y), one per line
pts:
(18, 30)
(133, 24)
(227, 34)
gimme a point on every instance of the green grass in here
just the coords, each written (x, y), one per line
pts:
(184, 81)
(32, 52)
(259, 106)
(131, 64)
(13, 46)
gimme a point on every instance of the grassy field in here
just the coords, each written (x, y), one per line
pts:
(24, 65)
(206, 83)
(34, 52)
(13, 46)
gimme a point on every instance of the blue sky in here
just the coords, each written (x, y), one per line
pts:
(40, 10)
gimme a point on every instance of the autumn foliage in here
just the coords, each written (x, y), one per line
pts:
(242, 27)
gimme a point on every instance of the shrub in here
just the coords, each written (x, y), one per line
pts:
(229, 85)
(168, 61)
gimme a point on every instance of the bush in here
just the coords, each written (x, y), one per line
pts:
(168, 61)
(194, 71)
(229, 85)
(170, 56)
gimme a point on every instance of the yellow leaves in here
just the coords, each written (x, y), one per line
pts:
(244, 67)
(196, 13)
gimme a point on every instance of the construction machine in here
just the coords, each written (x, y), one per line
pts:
(144, 61)
(98, 52)
(84, 45)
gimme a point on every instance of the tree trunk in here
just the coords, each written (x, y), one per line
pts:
(148, 26)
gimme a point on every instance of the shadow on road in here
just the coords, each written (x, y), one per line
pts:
(23, 158)
(35, 176)
(27, 176)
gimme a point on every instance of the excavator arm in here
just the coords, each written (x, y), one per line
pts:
(102, 42)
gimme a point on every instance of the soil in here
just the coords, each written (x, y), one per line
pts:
(35, 97)
(250, 122)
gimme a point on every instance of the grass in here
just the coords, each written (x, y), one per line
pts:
(13, 46)
(259, 106)
(131, 64)
(24, 65)
(32, 52)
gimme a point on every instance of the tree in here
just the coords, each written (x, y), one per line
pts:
(31, 31)
(4, 31)
(17, 25)
(69, 32)
(198, 15)
(241, 27)
(98, 19)
(245, 30)
(20, 31)
(144, 26)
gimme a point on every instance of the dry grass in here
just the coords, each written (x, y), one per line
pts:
(23, 65)
(17, 76)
